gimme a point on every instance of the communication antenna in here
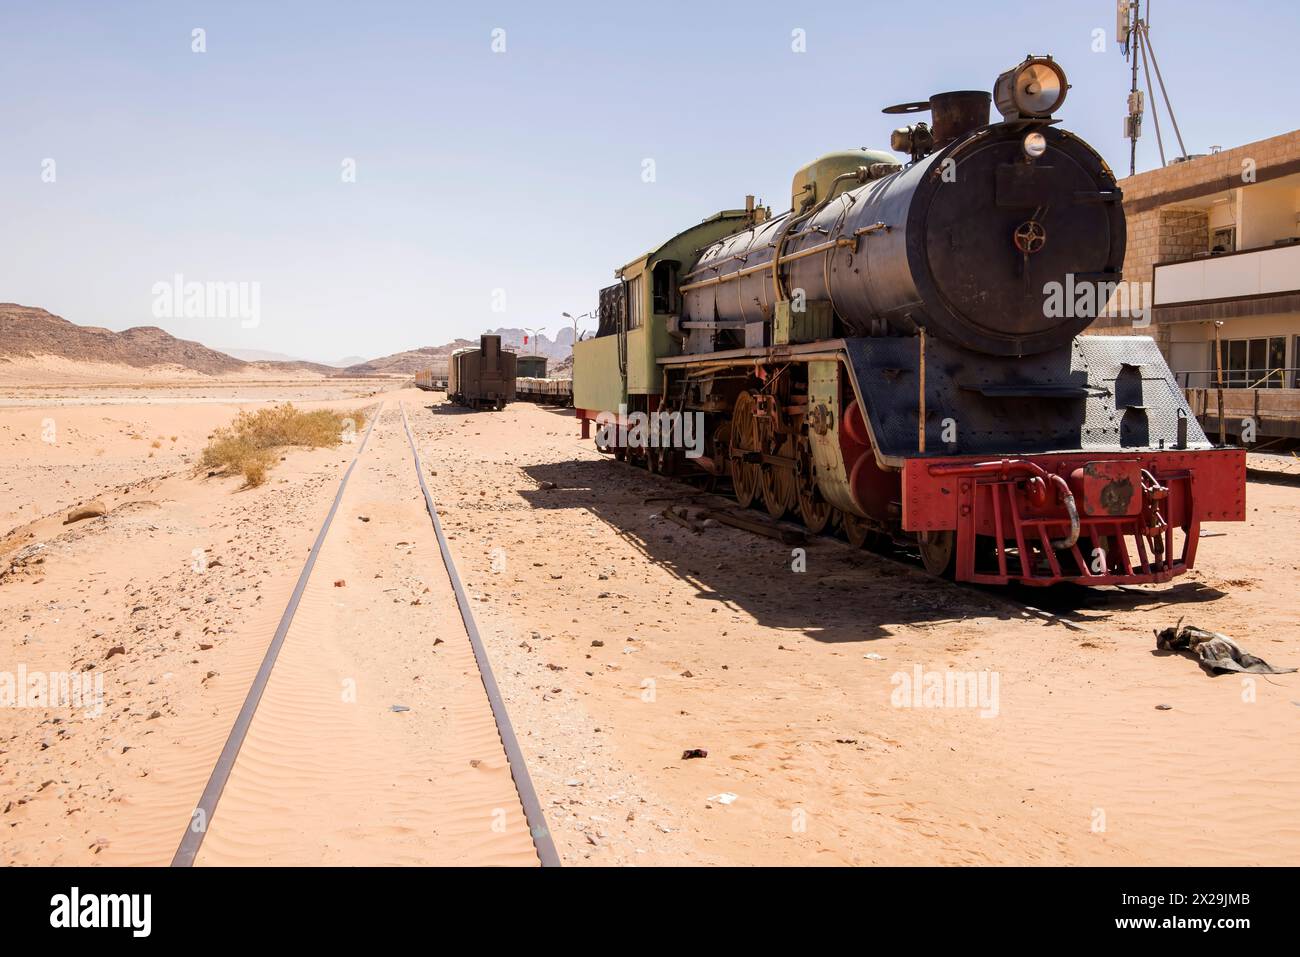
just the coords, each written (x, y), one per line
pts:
(1133, 34)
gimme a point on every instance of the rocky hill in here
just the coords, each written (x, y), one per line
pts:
(409, 362)
(26, 332)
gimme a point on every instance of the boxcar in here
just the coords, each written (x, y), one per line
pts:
(483, 377)
(532, 367)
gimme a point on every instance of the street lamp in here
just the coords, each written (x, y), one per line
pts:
(574, 320)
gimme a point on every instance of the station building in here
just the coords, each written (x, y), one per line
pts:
(1215, 241)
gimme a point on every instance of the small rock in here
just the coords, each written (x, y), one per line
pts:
(398, 708)
(115, 650)
(92, 509)
(694, 753)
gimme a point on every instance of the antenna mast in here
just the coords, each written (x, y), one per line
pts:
(1133, 34)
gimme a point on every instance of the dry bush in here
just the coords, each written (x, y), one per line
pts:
(250, 444)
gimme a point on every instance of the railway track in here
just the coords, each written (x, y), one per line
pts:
(309, 775)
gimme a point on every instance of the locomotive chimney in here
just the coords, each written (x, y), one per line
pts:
(953, 115)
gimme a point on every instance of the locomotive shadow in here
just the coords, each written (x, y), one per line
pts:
(1097, 604)
(845, 595)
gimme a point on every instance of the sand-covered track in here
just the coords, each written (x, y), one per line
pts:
(370, 734)
(519, 770)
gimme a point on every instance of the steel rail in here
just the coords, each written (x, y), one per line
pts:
(206, 809)
(541, 834)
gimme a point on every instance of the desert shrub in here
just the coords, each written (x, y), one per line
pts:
(250, 444)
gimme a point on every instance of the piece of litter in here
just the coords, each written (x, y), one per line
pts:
(874, 657)
(399, 707)
(1214, 651)
(726, 797)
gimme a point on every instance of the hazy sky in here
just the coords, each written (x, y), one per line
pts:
(507, 179)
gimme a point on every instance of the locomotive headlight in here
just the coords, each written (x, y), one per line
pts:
(1036, 88)
(1035, 145)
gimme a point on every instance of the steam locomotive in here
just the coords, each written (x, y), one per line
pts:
(889, 357)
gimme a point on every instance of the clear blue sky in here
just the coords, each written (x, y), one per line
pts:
(519, 171)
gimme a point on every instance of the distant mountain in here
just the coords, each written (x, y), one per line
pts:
(346, 361)
(29, 332)
(262, 359)
(259, 355)
(409, 362)
(26, 331)
(557, 348)
(415, 360)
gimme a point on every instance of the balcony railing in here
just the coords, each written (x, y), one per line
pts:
(1240, 379)
(1250, 273)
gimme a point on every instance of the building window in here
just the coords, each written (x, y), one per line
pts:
(1255, 363)
(1224, 240)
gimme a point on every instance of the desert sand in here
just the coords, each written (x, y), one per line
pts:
(619, 640)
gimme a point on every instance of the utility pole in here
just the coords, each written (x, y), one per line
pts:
(1127, 33)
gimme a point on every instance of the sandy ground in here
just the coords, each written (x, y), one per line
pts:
(620, 641)
(60, 446)
(44, 371)
(624, 640)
